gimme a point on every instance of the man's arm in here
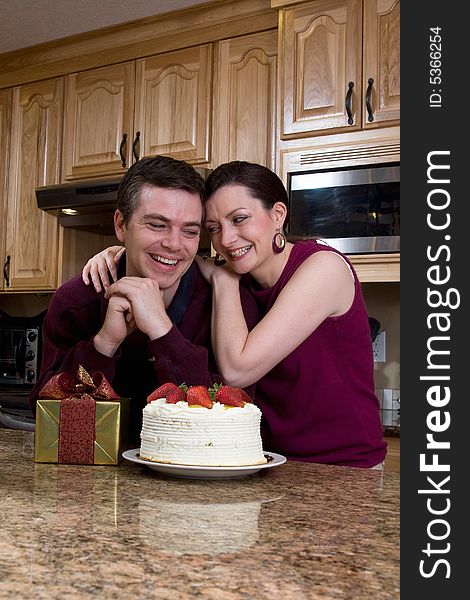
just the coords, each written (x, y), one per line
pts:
(68, 331)
(180, 361)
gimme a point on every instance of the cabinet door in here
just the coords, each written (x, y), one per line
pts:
(32, 235)
(381, 73)
(173, 104)
(320, 55)
(5, 117)
(245, 99)
(99, 111)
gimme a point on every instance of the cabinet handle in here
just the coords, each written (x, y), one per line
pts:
(135, 144)
(122, 149)
(348, 103)
(6, 271)
(370, 115)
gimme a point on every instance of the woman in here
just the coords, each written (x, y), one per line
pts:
(311, 353)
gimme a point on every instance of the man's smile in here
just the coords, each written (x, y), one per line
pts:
(165, 261)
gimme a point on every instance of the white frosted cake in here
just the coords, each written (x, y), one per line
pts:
(194, 435)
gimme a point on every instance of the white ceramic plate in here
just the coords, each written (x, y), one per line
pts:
(196, 472)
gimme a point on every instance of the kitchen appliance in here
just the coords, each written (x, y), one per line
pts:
(87, 205)
(354, 209)
(20, 351)
(20, 360)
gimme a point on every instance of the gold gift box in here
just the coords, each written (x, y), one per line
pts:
(111, 423)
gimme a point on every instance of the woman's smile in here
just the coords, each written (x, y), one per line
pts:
(239, 252)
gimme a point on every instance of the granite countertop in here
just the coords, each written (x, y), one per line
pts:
(300, 531)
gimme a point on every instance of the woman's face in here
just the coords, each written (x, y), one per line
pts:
(241, 229)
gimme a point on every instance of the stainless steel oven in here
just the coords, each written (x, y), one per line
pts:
(354, 209)
(20, 358)
(19, 352)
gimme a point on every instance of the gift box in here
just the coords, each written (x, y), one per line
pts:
(80, 422)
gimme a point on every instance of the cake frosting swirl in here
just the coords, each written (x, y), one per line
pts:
(195, 435)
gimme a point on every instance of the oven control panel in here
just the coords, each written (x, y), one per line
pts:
(31, 355)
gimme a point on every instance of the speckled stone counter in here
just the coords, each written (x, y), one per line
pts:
(296, 531)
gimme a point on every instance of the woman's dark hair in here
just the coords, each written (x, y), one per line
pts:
(157, 171)
(262, 183)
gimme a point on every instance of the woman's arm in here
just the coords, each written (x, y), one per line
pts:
(321, 287)
(101, 265)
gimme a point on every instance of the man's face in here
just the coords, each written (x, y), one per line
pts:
(161, 236)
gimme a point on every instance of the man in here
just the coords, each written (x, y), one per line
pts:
(153, 324)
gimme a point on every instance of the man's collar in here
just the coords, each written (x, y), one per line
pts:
(184, 293)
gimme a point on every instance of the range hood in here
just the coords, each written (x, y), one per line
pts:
(86, 205)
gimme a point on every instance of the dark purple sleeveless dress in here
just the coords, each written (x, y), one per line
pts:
(319, 403)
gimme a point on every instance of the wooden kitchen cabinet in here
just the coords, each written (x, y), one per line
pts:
(31, 239)
(99, 122)
(392, 460)
(339, 66)
(119, 113)
(381, 63)
(245, 99)
(173, 104)
(376, 268)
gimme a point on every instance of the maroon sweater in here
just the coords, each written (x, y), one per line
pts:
(184, 355)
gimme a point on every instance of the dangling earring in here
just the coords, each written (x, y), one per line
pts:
(279, 242)
(219, 260)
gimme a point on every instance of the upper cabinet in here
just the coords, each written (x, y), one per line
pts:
(245, 99)
(381, 63)
(31, 244)
(158, 105)
(99, 122)
(173, 104)
(339, 66)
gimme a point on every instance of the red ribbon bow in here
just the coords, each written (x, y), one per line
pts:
(62, 385)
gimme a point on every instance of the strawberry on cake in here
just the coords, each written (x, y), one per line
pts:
(219, 427)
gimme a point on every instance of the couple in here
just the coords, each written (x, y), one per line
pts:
(285, 321)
